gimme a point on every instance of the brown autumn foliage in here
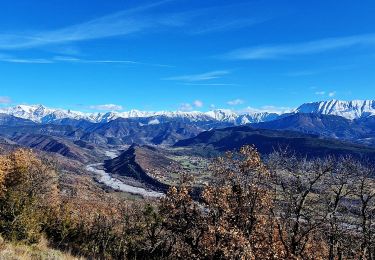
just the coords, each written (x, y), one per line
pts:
(292, 208)
(233, 219)
(284, 207)
(29, 194)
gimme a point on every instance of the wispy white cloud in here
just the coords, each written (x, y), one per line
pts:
(304, 48)
(130, 62)
(235, 102)
(238, 15)
(12, 59)
(227, 25)
(66, 59)
(190, 106)
(185, 107)
(5, 100)
(79, 60)
(200, 77)
(332, 94)
(198, 103)
(326, 93)
(139, 19)
(210, 84)
(116, 24)
(26, 61)
(107, 107)
(62, 59)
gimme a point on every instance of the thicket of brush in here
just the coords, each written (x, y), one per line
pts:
(283, 208)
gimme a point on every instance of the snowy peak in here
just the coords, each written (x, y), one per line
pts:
(256, 117)
(40, 113)
(34, 112)
(348, 109)
(225, 115)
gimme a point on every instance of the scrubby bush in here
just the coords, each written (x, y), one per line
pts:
(29, 194)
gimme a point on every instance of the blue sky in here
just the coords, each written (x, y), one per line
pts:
(185, 54)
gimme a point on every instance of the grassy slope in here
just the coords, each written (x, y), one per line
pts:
(11, 251)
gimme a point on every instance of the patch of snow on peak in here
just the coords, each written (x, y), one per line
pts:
(154, 121)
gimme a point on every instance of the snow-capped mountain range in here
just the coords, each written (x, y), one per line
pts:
(347, 109)
(42, 114)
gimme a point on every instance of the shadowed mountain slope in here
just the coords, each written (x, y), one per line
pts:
(359, 130)
(267, 141)
(136, 161)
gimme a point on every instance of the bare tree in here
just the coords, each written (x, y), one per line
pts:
(365, 193)
(336, 189)
(298, 208)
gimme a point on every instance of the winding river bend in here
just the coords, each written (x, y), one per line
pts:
(107, 179)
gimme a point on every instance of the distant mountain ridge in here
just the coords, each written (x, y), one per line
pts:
(267, 140)
(348, 109)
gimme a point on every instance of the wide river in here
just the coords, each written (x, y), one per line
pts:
(107, 179)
